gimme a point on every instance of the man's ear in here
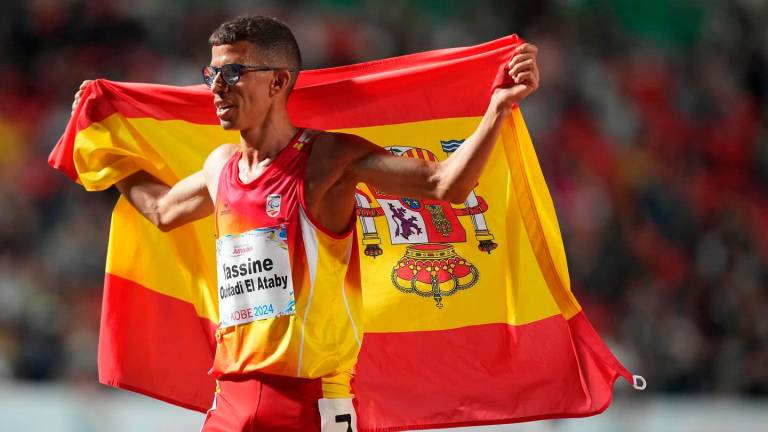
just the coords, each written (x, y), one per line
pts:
(280, 81)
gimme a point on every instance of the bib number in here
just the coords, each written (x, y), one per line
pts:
(337, 415)
(254, 275)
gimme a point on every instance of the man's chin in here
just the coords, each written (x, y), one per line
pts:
(227, 124)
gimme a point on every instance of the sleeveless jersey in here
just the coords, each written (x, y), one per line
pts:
(321, 337)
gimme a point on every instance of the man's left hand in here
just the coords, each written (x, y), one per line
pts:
(523, 72)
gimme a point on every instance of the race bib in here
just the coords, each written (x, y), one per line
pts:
(254, 274)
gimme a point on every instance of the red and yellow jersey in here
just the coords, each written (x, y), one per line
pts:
(321, 336)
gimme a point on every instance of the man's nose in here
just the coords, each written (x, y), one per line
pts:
(219, 85)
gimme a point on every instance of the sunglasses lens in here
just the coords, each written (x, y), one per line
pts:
(230, 73)
(209, 75)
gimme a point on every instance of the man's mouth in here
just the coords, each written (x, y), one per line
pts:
(223, 108)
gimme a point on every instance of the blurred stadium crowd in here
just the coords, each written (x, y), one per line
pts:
(650, 126)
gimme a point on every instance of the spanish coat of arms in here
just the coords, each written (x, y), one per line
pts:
(430, 267)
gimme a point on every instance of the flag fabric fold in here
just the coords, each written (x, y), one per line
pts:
(469, 318)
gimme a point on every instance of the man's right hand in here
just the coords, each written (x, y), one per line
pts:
(78, 95)
(168, 207)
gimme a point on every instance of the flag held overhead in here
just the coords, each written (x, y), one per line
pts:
(468, 314)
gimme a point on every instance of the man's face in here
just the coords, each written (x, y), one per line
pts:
(244, 104)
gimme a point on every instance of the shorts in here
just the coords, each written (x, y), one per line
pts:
(272, 403)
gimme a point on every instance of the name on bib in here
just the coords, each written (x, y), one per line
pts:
(254, 275)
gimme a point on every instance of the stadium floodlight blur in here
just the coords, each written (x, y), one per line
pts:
(649, 125)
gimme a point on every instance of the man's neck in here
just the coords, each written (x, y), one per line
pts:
(268, 138)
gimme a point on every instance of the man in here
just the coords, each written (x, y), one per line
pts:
(283, 200)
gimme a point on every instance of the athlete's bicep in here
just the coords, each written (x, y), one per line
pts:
(396, 175)
(187, 201)
(167, 206)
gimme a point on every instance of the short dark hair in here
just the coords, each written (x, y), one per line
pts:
(270, 35)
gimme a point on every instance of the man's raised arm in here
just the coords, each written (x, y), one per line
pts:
(452, 179)
(167, 207)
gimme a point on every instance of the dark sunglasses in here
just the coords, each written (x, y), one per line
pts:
(230, 73)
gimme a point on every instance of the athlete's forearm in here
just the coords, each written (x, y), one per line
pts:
(459, 173)
(167, 207)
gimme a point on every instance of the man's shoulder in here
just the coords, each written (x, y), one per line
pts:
(224, 151)
(340, 144)
(219, 156)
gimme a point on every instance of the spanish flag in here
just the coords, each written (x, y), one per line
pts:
(468, 314)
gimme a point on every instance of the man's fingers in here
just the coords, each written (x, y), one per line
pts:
(521, 67)
(78, 96)
(525, 78)
(85, 83)
(524, 72)
(523, 53)
(526, 51)
(519, 58)
(527, 48)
